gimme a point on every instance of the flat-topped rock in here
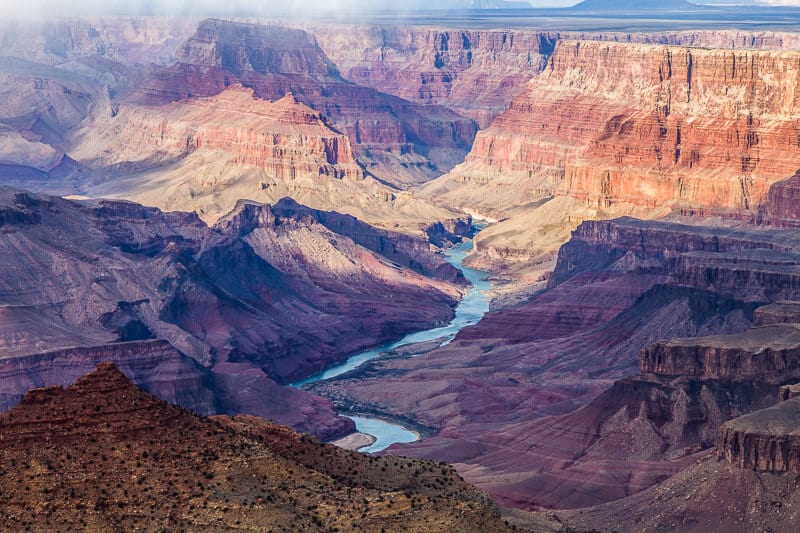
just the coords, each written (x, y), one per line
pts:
(767, 353)
(778, 313)
(766, 440)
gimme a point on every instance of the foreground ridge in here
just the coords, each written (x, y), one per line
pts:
(103, 454)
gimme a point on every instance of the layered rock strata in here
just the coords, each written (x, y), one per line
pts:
(206, 154)
(556, 418)
(768, 353)
(476, 73)
(399, 142)
(265, 298)
(610, 129)
(767, 440)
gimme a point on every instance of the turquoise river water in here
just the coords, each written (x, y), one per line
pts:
(474, 305)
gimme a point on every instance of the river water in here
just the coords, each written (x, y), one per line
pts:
(469, 311)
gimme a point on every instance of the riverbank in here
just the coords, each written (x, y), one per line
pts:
(469, 311)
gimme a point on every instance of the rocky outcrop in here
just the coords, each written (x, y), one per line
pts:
(408, 251)
(267, 300)
(73, 41)
(399, 142)
(206, 154)
(53, 71)
(767, 440)
(103, 454)
(750, 263)
(782, 312)
(765, 354)
(780, 208)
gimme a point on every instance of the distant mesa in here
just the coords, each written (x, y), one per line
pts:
(499, 4)
(633, 5)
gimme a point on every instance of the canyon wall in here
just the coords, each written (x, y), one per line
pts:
(476, 73)
(261, 299)
(611, 129)
(400, 142)
(205, 154)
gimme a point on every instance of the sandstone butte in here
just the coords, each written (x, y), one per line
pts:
(105, 455)
(611, 129)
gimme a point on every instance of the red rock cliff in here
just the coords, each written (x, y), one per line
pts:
(612, 123)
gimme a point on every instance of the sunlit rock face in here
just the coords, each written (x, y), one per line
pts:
(267, 296)
(400, 142)
(613, 129)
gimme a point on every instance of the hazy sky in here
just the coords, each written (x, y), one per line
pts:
(203, 7)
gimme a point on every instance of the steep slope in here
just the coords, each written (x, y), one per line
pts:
(105, 455)
(205, 154)
(526, 403)
(749, 484)
(476, 73)
(265, 297)
(399, 142)
(613, 129)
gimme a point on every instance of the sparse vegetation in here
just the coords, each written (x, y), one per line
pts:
(160, 467)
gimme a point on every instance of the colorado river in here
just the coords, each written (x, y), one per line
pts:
(471, 308)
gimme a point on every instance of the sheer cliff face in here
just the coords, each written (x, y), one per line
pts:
(704, 127)
(205, 154)
(617, 129)
(475, 73)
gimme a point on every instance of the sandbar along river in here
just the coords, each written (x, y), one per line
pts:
(474, 305)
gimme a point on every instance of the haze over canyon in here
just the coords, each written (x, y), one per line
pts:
(557, 250)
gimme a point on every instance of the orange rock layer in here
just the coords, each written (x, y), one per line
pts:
(612, 123)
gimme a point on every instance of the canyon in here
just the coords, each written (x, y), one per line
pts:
(222, 208)
(612, 129)
(230, 304)
(559, 418)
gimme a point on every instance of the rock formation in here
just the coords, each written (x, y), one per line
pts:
(749, 484)
(476, 73)
(766, 441)
(102, 454)
(573, 350)
(206, 154)
(399, 142)
(264, 297)
(610, 129)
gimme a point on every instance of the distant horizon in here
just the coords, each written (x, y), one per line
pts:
(200, 8)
